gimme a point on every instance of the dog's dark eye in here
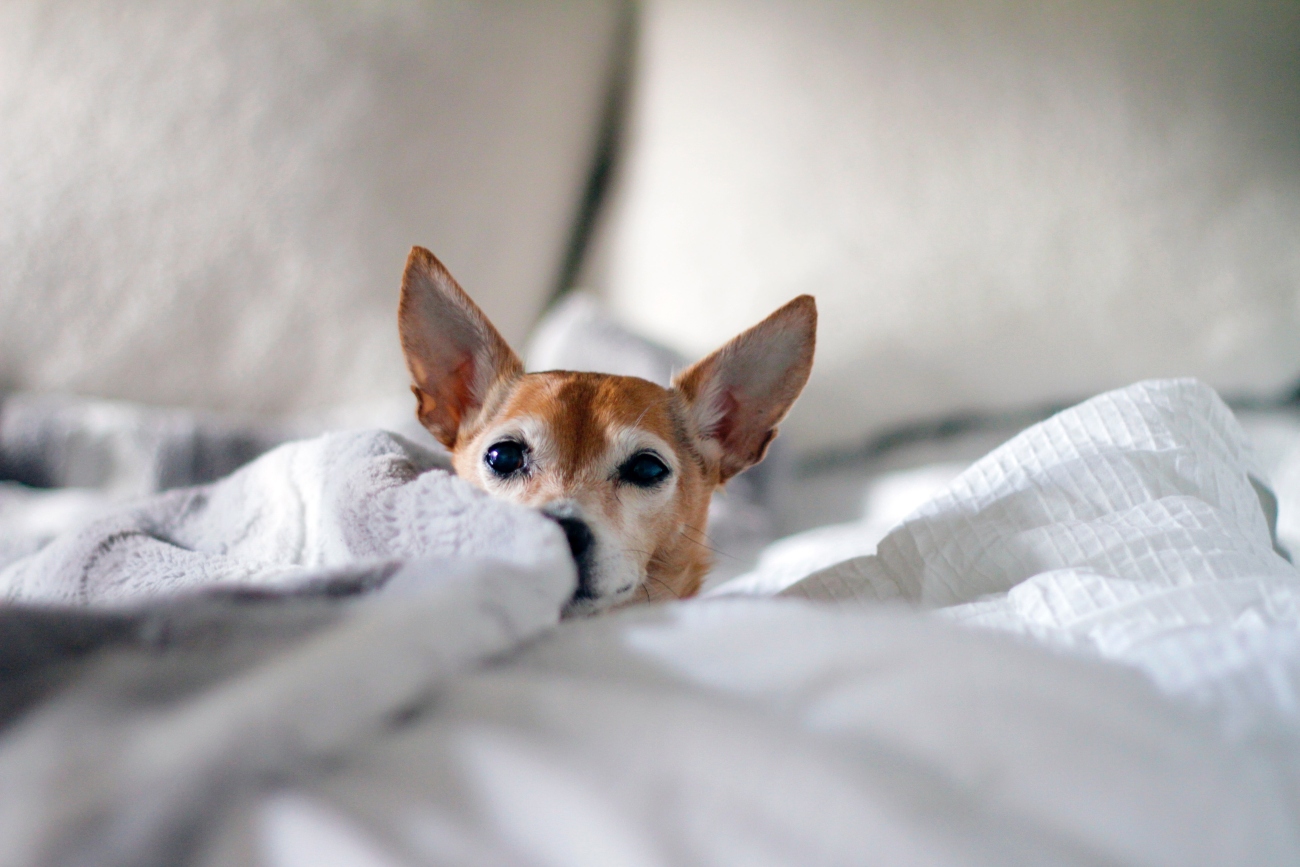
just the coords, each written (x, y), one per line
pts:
(645, 470)
(505, 458)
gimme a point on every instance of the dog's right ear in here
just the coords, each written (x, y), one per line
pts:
(453, 352)
(740, 393)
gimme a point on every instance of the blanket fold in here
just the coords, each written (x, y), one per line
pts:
(341, 652)
(288, 517)
(1152, 487)
(161, 735)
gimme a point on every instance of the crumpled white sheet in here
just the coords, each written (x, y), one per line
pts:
(775, 732)
(761, 731)
(1133, 527)
(1153, 485)
(1149, 722)
(305, 510)
(139, 756)
(130, 760)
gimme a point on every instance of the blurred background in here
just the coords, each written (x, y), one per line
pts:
(1001, 206)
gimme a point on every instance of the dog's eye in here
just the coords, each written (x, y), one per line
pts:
(645, 470)
(505, 458)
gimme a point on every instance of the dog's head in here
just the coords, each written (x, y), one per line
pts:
(625, 466)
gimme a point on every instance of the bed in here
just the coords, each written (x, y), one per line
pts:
(1084, 647)
(1015, 584)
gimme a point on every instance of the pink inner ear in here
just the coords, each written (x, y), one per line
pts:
(449, 397)
(462, 380)
(726, 407)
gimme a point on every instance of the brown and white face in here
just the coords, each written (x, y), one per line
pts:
(625, 466)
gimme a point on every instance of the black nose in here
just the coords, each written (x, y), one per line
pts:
(578, 534)
(580, 541)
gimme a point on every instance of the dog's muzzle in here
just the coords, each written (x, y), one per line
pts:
(582, 543)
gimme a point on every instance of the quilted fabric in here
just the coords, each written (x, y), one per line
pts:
(1132, 527)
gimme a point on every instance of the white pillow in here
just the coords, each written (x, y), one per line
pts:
(211, 203)
(996, 204)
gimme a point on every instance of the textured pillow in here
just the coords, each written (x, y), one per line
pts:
(211, 203)
(996, 204)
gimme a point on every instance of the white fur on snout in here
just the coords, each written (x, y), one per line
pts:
(627, 535)
(623, 518)
(616, 563)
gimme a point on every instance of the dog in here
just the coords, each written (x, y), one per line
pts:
(624, 466)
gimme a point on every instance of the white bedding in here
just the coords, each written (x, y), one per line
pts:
(311, 509)
(1144, 710)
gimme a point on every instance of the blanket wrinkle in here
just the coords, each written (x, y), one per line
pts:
(1122, 528)
(1103, 670)
(161, 731)
(309, 505)
(1094, 484)
(160, 744)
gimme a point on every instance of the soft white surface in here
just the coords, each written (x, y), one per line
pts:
(997, 205)
(772, 732)
(210, 204)
(30, 519)
(1126, 528)
(1146, 711)
(888, 500)
(1275, 436)
(1130, 527)
(1080, 498)
(142, 750)
(67, 460)
(340, 501)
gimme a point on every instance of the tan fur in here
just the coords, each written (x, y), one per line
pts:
(578, 408)
(716, 420)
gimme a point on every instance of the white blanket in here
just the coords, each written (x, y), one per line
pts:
(1133, 527)
(308, 510)
(192, 697)
(1146, 710)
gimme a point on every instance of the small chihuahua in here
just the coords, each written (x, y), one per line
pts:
(624, 466)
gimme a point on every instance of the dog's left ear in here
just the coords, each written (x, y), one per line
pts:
(740, 393)
(453, 352)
